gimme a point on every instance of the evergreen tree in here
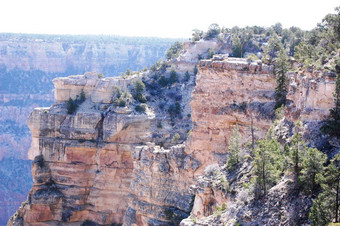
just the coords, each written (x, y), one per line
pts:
(211, 53)
(312, 163)
(186, 76)
(326, 208)
(296, 152)
(195, 70)
(332, 126)
(234, 149)
(240, 38)
(236, 46)
(82, 96)
(138, 90)
(281, 68)
(174, 50)
(267, 165)
(71, 106)
(173, 77)
(196, 35)
(270, 51)
(213, 31)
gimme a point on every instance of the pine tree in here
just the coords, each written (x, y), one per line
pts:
(281, 68)
(326, 208)
(333, 123)
(234, 149)
(267, 165)
(71, 106)
(138, 90)
(296, 151)
(312, 163)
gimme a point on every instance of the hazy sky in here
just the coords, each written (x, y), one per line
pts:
(162, 18)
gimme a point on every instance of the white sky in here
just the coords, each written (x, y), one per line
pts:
(161, 18)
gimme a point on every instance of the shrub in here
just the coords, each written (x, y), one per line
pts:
(174, 50)
(213, 31)
(175, 138)
(128, 72)
(72, 105)
(252, 57)
(159, 125)
(196, 35)
(138, 89)
(121, 99)
(211, 53)
(174, 110)
(163, 81)
(211, 170)
(141, 108)
(186, 76)
(195, 70)
(100, 75)
(145, 68)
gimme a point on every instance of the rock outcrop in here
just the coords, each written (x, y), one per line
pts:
(83, 162)
(233, 91)
(227, 93)
(28, 64)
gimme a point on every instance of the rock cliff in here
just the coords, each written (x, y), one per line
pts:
(28, 63)
(109, 165)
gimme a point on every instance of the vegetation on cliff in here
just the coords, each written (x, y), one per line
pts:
(314, 175)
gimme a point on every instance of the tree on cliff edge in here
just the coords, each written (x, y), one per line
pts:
(333, 123)
(281, 68)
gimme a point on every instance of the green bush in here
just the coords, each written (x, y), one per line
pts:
(122, 98)
(174, 50)
(175, 110)
(175, 138)
(138, 90)
(186, 76)
(141, 108)
(195, 70)
(82, 96)
(213, 31)
(72, 105)
(163, 81)
(211, 53)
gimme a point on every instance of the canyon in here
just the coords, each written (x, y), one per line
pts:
(28, 64)
(109, 165)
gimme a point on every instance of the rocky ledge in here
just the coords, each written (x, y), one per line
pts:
(99, 164)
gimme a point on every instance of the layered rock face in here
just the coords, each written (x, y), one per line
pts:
(100, 165)
(234, 91)
(83, 162)
(227, 93)
(28, 64)
(159, 189)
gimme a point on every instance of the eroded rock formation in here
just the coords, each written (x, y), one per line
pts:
(101, 164)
